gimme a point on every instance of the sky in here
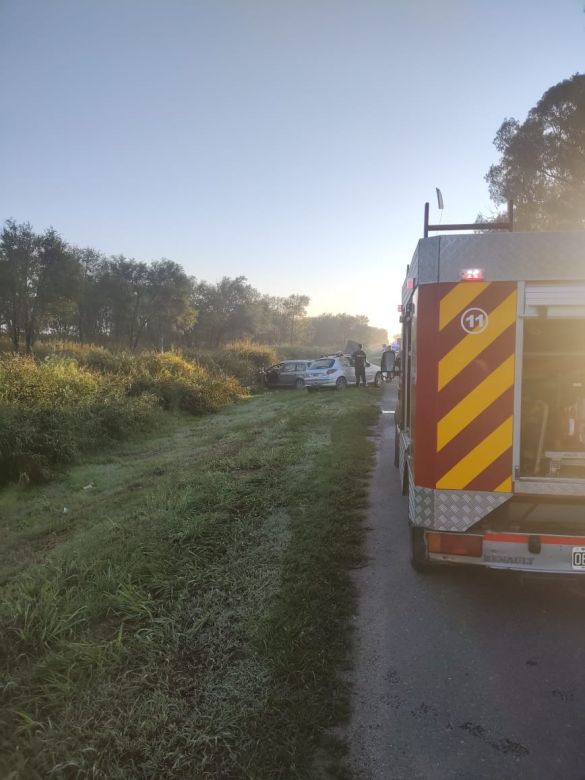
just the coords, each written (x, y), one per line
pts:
(290, 141)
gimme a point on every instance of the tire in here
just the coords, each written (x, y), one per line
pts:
(341, 384)
(418, 550)
(300, 384)
(378, 379)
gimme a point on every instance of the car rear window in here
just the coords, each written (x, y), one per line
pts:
(322, 363)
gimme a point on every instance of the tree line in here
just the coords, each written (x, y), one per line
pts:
(49, 288)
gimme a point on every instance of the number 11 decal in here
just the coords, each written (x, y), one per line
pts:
(474, 321)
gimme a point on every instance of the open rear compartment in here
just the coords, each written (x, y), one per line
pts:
(552, 429)
(549, 489)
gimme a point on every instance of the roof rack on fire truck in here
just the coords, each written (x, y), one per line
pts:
(509, 225)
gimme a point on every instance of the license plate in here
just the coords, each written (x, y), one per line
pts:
(579, 557)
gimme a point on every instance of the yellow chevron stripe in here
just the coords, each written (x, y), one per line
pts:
(457, 299)
(479, 458)
(505, 487)
(472, 344)
(486, 392)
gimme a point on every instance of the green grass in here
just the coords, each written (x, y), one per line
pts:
(187, 616)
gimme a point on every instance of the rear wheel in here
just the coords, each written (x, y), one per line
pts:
(341, 383)
(300, 384)
(418, 550)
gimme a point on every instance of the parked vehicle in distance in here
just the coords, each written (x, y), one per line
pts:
(337, 371)
(288, 373)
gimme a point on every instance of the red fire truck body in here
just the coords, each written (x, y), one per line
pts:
(490, 436)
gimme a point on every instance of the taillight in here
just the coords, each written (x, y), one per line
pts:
(331, 370)
(455, 544)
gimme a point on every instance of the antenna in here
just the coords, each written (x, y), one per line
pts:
(439, 199)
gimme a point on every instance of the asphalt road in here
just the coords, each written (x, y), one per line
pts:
(461, 673)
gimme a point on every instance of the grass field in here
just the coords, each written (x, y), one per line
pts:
(180, 607)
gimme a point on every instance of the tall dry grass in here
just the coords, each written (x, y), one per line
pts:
(69, 398)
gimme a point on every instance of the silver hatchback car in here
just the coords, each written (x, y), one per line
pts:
(289, 373)
(337, 371)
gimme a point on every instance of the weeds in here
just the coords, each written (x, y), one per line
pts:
(241, 359)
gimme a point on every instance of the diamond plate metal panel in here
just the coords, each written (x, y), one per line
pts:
(451, 510)
(511, 256)
(503, 256)
(421, 508)
(458, 510)
(424, 266)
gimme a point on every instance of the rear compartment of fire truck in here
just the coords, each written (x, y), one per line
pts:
(552, 421)
(543, 525)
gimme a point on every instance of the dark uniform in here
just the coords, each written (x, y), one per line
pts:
(359, 358)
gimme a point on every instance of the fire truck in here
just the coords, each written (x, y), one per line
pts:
(490, 424)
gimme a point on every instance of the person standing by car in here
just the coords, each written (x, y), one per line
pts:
(359, 364)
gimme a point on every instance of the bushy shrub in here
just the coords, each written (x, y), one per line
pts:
(226, 362)
(23, 444)
(53, 384)
(241, 359)
(5, 344)
(99, 359)
(88, 355)
(180, 384)
(69, 397)
(52, 411)
(259, 355)
(232, 364)
(63, 349)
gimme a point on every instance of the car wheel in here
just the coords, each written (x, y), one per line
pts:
(378, 379)
(341, 383)
(300, 384)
